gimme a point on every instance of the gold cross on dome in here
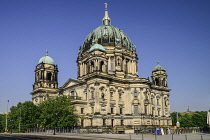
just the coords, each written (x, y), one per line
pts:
(106, 6)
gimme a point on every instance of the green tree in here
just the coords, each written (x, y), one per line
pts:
(191, 119)
(199, 119)
(186, 120)
(57, 112)
(24, 115)
(2, 123)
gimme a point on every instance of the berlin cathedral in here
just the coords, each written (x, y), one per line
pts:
(108, 93)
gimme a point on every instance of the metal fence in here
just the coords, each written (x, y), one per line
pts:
(113, 130)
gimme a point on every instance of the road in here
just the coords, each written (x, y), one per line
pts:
(33, 137)
(77, 136)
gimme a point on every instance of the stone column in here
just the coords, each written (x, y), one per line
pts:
(134, 67)
(85, 67)
(45, 75)
(82, 68)
(109, 63)
(123, 65)
(129, 66)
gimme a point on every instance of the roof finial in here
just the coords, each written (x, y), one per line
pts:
(46, 52)
(106, 6)
(106, 19)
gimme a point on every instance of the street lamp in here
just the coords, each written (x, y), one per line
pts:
(6, 130)
(19, 119)
(177, 123)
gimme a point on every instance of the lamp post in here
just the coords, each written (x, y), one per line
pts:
(20, 119)
(177, 123)
(6, 130)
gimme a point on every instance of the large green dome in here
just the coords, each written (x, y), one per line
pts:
(46, 60)
(107, 35)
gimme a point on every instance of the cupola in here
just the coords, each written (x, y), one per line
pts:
(46, 59)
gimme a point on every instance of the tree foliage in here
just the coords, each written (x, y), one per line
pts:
(24, 115)
(57, 112)
(2, 124)
(191, 119)
(186, 120)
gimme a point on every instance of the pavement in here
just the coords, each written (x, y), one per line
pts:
(188, 136)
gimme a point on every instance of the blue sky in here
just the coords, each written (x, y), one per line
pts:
(175, 32)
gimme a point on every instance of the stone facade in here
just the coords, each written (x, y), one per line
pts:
(108, 92)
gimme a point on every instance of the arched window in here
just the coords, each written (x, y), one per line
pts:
(101, 66)
(121, 110)
(41, 76)
(72, 93)
(92, 63)
(91, 66)
(49, 75)
(156, 81)
(82, 122)
(104, 122)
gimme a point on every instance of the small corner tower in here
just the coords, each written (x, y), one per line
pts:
(159, 76)
(46, 80)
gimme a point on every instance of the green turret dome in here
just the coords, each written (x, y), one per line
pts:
(97, 47)
(46, 60)
(158, 68)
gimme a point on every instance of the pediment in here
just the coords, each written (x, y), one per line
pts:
(71, 82)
